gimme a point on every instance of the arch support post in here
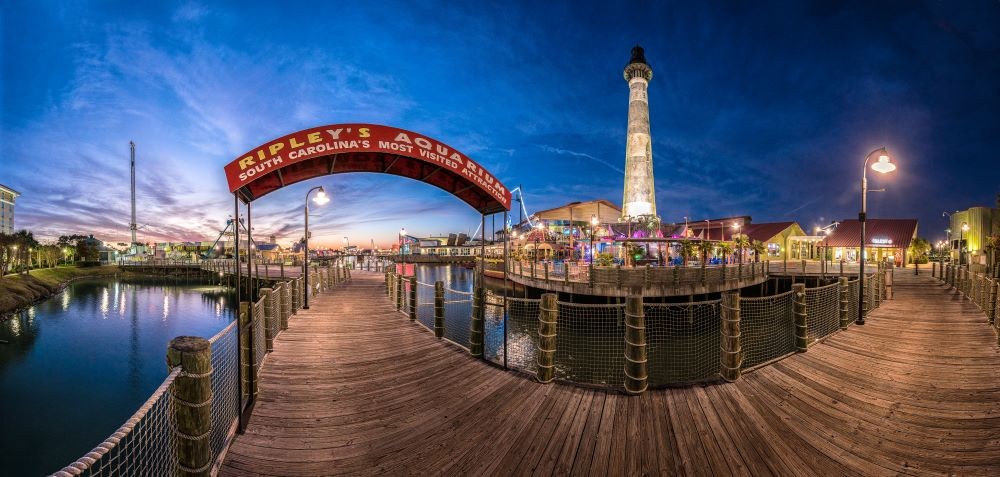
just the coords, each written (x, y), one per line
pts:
(801, 325)
(548, 313)
(636, 371)
(732, 350)
(192, 404)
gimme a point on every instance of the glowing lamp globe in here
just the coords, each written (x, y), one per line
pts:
(321, 197)
(883, 165)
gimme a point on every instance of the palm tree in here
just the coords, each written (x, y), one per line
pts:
(992, 245)
(758, 250)
(688, 249)
(725, 248)
(743, 243)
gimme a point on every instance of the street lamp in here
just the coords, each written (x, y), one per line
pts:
(538, 228)
(961, 243)
(402, 238)
(320, 199)
(883, 166)
(594, 222)
(738, 236)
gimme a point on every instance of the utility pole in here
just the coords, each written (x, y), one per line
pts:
(132, 225)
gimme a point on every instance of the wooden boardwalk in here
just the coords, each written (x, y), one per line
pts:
(354, 388)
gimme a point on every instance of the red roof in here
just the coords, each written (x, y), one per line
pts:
(763, 232)
(889, 233)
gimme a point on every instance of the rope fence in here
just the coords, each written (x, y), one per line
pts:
(823, 310)
(683, 342)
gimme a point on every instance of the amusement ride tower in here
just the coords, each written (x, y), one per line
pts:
(639, 201)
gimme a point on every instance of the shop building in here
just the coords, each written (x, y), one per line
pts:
(970, 232)
(886, 240)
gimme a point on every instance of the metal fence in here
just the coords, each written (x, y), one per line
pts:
(146, 444)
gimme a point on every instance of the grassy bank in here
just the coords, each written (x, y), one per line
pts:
(17, 291)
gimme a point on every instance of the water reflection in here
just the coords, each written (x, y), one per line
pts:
(64, 356)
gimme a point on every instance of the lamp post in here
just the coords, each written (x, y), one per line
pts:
(708, 229)
(320, 199)
(594, 222)
(961, 243)
(402, 239)
(739, 237)
(538, 233)
(883, 166)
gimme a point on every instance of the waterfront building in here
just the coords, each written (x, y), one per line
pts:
(639, 198)
(7, 198)
(781, 240)
(982, 223)
(887, 240)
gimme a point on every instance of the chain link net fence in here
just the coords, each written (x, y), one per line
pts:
(590, 344)
(682, 342)
(767, 328)
(522, 334)
(457, 316)
(425, 305)
(822, 311)
(225, 389)
(494, 328)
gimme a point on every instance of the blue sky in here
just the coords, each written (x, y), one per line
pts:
(756, 108)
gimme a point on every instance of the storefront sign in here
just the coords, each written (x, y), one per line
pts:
(882, 241)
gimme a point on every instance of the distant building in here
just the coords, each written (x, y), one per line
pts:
(887, 239)
(983, 222)
(7, 197)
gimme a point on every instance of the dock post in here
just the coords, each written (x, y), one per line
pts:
(844, 320)
(636, 362)
(246, 345)
(282, 269)
(801, 326)
(399, 292)
(269, 317)
(476, 324)
(548, 313)
(192, 404)
(284, 304)
(439, 310)
(413, 297)
(991, 313)
(296, 296)
(732, 350)
(545, 267)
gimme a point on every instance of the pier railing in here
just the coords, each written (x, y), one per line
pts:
(171, 434)
(978, 287)
(598, 344)
(677, 277)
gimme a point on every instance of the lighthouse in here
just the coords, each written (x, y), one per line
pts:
(639, 201)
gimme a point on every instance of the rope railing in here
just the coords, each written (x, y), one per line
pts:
(147, 443)
(143, 445)
(642, 276)
(767, 327)
(683, 341)
(823, 310)
(978, 287)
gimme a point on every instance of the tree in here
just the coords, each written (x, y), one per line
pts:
(742, 242)
(688, 249)
(725, 248)
(919, 249)
(758, 249)
(992, 246)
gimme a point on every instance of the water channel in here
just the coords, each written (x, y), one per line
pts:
(77, 365)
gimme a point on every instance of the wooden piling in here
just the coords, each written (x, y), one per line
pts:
(399, 292)
(269, 317)
(476, 323)
(801, 327)
(246, 344)
(991, 313)
(286, 299)
(413, 297)
(732, 351)
(439, 309)
(636, 372)
(192, 404)
(548, 313)
(844, 299)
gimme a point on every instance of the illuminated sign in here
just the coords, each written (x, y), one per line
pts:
(341, 139)
(882, 241)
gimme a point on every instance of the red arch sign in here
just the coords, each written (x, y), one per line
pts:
(343, 148)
